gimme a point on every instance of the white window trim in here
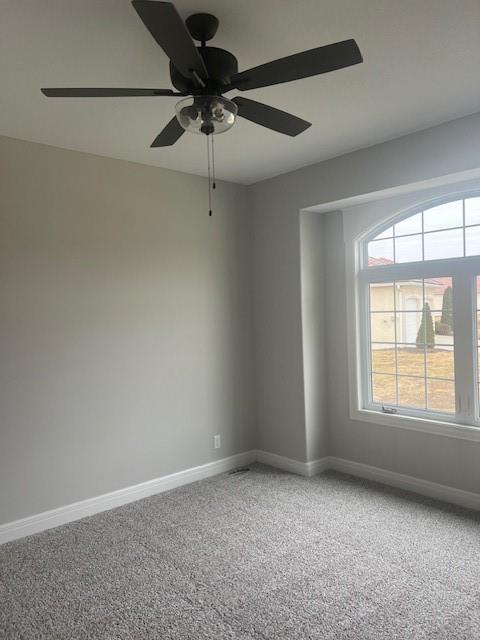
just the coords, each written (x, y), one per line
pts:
(356, 316)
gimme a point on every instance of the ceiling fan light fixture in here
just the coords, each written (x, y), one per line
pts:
(206, 114)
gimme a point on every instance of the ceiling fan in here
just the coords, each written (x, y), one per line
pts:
(205, 73)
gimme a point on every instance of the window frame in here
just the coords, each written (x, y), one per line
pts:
(465, 423)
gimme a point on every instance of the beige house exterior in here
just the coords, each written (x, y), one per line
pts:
(404, 296)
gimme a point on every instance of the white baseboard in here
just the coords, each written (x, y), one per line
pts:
(307, 469)
(442, 492)
(75, 511)
(318, 466)
(56, 517)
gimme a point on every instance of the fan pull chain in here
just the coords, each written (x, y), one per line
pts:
(209, 179)
(214, 185)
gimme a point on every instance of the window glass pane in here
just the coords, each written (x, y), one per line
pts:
(381, 296)
(413, 224)
(439, 295)
(383, 358)
(443, 244)
(440, 363)
(472, 211)
(408, 249)
(410, 360)
(433, 234)
(422, 354)
(445, 216)
(384, 389)
(411, 392)
(443, 329)
(472, 241)
(382, 326)
(441, 396)
(388, 233)
(478, 325)
(409, 295)
(410, 328)
(380, 252)
(440, 356)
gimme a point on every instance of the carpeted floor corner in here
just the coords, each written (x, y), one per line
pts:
(262, 555)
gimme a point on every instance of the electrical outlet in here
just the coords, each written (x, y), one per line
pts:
(217, 442)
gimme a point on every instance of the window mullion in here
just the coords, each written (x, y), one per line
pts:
(464, 340)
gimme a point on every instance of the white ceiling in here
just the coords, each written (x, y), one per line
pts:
(421, 68)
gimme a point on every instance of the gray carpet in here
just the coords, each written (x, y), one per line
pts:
(257, 556)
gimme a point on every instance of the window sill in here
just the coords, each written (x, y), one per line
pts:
(433, 427)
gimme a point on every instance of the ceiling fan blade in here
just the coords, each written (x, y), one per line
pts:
(270, 117)
(170, 32)
(300, 65)
(169, 135)
(106, 93)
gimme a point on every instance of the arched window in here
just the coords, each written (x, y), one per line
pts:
(419, 311)
(448, 230)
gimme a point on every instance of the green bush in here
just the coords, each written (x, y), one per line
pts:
(447, 308)
(443, 329)
(426, 333)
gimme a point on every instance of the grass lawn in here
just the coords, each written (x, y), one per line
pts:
(410, 362)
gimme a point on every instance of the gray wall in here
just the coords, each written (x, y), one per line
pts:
(282, 422)
(314, 334)
(125, 325)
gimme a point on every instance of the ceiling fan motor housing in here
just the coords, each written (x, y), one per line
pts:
(221, 66)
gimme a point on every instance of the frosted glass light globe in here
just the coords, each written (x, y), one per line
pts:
(206, 114)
